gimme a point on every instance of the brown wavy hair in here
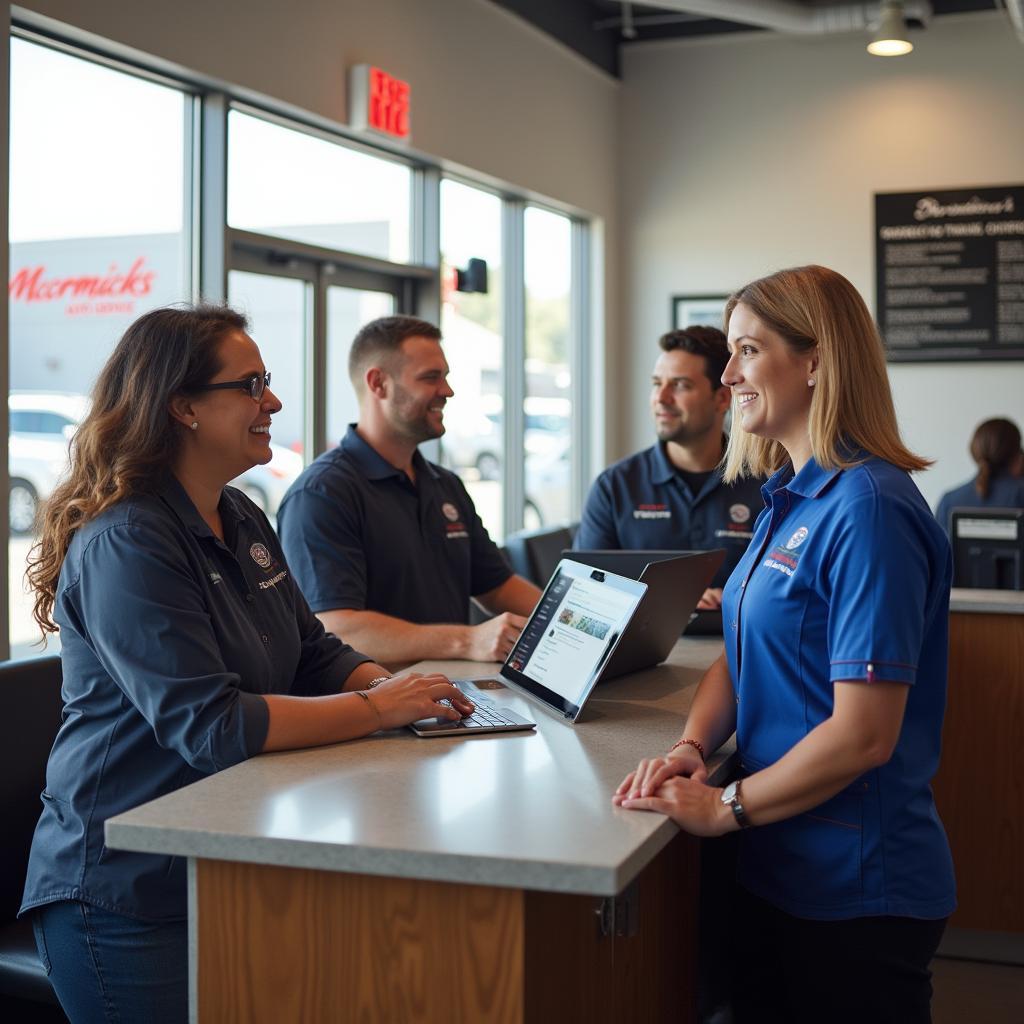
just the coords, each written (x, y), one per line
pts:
(816, 309)
(994, 447)
(128, 440)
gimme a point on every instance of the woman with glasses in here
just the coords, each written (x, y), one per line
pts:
(833, 676)
(185, 647)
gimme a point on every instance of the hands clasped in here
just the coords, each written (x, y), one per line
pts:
(411, 696)
(675, 785)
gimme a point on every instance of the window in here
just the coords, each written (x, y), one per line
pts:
(547, 407)
(291, 184)
(473, 443)
(98, 235)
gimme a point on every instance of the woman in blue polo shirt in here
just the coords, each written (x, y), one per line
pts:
(185, 646)
(833, 676)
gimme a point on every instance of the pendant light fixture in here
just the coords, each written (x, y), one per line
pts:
(891, 38)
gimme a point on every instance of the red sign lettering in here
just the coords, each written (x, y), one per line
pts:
(389, 104)
(29, 284)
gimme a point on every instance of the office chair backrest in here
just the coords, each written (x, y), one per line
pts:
(30, 696)
(535, 553)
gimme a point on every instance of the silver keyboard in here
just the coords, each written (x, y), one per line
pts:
(484, 716)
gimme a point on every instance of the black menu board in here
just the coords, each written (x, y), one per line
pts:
(949, 272)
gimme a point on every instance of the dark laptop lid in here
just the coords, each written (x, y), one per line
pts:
(675, 582)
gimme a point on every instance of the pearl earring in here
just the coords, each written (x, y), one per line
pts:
(810, 382)
(195, 425)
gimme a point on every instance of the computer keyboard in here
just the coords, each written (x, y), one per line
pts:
(484, 716)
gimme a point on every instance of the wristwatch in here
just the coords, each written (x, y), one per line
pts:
(376, 682)
(731, 798)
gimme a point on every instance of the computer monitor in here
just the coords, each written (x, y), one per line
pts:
(988, 548)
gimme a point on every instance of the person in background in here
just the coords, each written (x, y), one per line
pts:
(672, 495)
(186, 647)
(386, 546)
(995, 447)
(833, 677)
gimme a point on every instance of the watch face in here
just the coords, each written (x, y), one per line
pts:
(729, 793)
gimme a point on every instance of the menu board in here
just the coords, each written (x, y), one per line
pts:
(949, 272)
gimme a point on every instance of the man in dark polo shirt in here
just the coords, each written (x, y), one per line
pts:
(387, 547)
(672, 496)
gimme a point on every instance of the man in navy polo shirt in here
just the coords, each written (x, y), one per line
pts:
(386, 546)
(671, 496)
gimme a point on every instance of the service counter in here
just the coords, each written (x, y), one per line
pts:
(979, 789)
(481, 879)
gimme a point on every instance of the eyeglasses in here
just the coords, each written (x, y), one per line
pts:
(255, 385)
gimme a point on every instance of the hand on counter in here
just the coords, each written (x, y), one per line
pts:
(652, 772)
(676, 785)
(694, 806)
(410, 697)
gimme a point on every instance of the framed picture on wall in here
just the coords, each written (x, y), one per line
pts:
(691, 310)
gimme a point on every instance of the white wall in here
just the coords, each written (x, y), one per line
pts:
(746, 154)
(489, 92)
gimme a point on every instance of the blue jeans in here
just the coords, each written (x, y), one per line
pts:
(107, 968)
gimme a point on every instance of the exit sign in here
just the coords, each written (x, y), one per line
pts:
(379, 102)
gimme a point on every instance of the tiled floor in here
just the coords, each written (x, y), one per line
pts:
(967, 992)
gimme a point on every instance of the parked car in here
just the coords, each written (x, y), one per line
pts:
(42, 424)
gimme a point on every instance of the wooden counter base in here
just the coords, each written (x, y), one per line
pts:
(283, 944)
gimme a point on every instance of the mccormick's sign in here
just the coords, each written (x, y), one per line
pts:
(379, 102)
(32, 284)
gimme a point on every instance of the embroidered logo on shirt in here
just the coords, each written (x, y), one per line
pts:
(261, 556)
(213, 576)
(786, 558)
(797, 539)
(451, 513)
(652, 512)
(739, 513)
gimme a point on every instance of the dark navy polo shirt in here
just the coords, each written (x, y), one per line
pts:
(360, 535)
(169, 637)
(1004, 492)
(847, 578)
(642, 502)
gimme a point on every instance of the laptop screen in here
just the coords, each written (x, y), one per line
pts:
(579, 619)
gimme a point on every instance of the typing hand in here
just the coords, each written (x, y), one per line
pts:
(710, 600)
(492, 640)
(412, 696)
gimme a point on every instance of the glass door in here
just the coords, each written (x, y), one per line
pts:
(280, 313)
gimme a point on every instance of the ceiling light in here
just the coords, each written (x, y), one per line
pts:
(891, 38)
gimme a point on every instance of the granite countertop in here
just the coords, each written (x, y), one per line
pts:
(1004, 602)
(524, 810)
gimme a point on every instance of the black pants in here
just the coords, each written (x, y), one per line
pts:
(868, 970)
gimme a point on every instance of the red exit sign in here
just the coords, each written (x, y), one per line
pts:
(379, 101)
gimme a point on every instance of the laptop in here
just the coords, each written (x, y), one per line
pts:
(675, 582)
(561, 653)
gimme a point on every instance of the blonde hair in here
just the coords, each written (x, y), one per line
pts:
(851, 408)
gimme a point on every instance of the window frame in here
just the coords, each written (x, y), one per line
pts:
(214, 248)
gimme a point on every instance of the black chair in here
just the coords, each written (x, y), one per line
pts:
(30, 693)
(535, 553)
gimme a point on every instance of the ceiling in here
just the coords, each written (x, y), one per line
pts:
(594, 28)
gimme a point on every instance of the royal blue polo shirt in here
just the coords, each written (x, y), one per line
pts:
(359, 534)
(169, 639)
(1005, 491)
(641, 502)
(847, 578)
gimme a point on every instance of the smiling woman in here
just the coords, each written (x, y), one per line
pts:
(833, 676)
(186, 648)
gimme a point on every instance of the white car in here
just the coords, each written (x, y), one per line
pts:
(42, 424)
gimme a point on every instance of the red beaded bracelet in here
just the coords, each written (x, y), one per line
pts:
(689, 743)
